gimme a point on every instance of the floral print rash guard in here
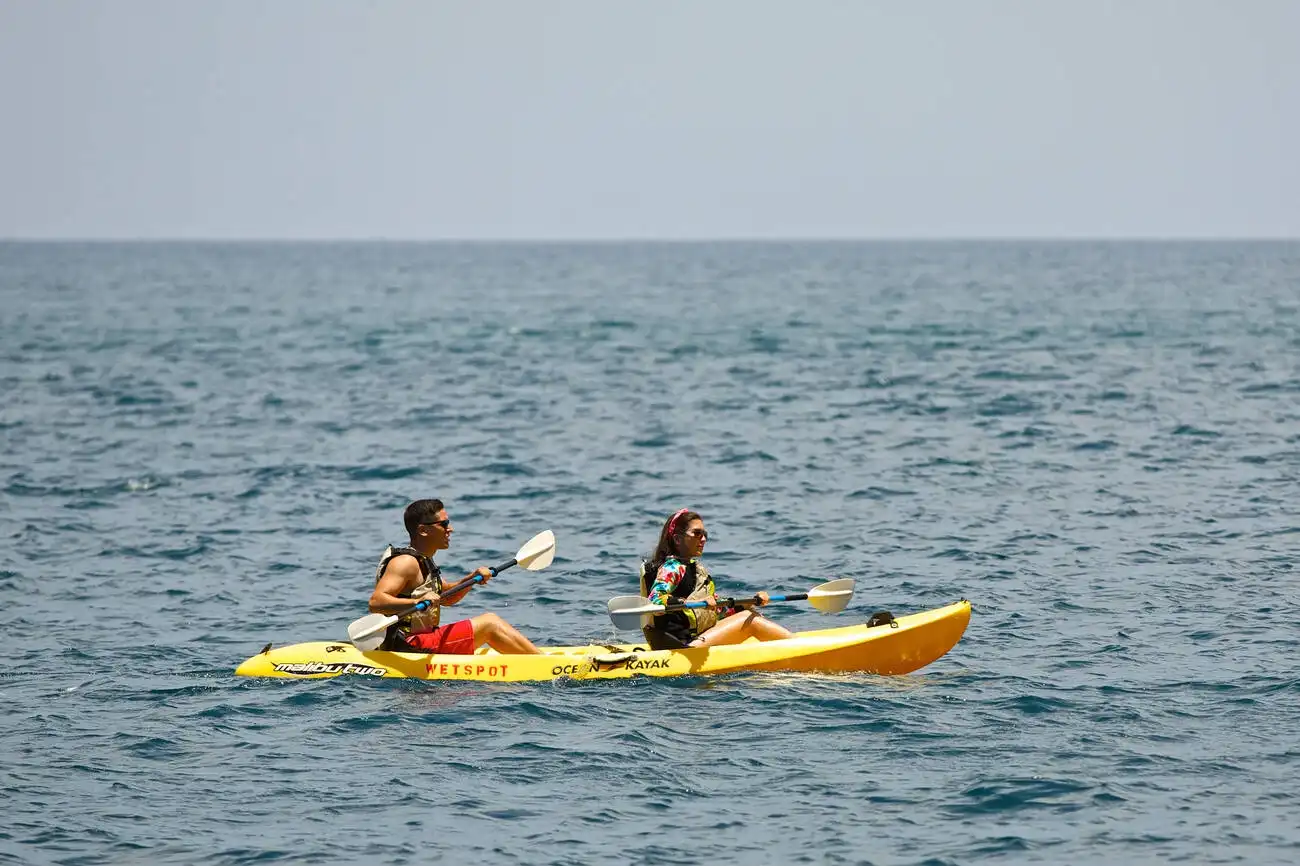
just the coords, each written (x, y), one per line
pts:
(667, 578)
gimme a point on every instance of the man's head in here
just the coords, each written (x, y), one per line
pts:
(427, 523)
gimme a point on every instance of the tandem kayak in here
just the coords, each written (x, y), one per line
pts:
(908, 643)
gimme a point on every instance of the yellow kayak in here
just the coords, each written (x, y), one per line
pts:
(909, 643)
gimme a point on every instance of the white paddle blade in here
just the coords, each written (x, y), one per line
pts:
(832, 597)
(631, 612)
(537, 552)
(367, 633)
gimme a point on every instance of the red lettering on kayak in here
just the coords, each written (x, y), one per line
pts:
(438, 669)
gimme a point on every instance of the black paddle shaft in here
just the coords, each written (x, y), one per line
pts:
(741, 602)
(453, 589)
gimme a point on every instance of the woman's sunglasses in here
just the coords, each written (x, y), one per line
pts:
(702, 534)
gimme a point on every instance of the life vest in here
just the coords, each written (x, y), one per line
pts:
(682, 626)
(419, 621)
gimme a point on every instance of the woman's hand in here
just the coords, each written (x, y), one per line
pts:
(762, 598)
(482, 571)
(712, 602)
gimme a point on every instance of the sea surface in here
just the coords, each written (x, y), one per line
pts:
(205, 448)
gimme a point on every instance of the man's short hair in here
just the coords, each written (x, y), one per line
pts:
(419, 512)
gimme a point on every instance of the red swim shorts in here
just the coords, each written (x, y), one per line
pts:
(454, 639)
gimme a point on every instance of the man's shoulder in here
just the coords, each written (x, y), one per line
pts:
(403, 554)
(402, 559)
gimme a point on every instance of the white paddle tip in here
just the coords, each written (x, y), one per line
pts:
(832, 596)
(631, 612)
(368, 632)
(538, 552)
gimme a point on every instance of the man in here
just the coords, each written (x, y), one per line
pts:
(407, 575)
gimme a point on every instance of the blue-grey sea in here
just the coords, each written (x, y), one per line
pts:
(205, 447)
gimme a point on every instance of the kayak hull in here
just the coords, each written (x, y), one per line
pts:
(912, 642)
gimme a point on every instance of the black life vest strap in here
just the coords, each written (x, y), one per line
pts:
(426, 564)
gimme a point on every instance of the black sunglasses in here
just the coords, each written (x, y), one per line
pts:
(698, 533)
(443, 523)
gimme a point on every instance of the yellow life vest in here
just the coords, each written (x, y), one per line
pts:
(421, 621)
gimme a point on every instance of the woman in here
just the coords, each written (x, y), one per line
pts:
(674, 574)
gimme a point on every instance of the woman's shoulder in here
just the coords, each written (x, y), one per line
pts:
(672, 564)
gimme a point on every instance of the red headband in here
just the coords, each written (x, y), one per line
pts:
(672, 521)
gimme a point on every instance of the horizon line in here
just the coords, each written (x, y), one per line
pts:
(635, 239)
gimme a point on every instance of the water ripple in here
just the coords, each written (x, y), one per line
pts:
(206, 446)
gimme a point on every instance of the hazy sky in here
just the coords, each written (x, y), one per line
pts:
(649, 119)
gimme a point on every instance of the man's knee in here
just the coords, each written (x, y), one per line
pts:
(488, 623)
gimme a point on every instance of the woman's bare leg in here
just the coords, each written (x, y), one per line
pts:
(740, 626)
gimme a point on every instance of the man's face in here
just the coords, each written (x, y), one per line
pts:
(439, 531)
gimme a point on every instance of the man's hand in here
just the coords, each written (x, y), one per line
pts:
(432, 598)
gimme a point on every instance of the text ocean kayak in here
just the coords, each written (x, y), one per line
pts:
(911, 642)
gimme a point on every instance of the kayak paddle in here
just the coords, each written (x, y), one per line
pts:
(367, 633)
(631, 612)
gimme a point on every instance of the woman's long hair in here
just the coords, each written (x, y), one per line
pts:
(669, 538)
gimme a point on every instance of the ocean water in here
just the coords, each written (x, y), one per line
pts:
(206, 446)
